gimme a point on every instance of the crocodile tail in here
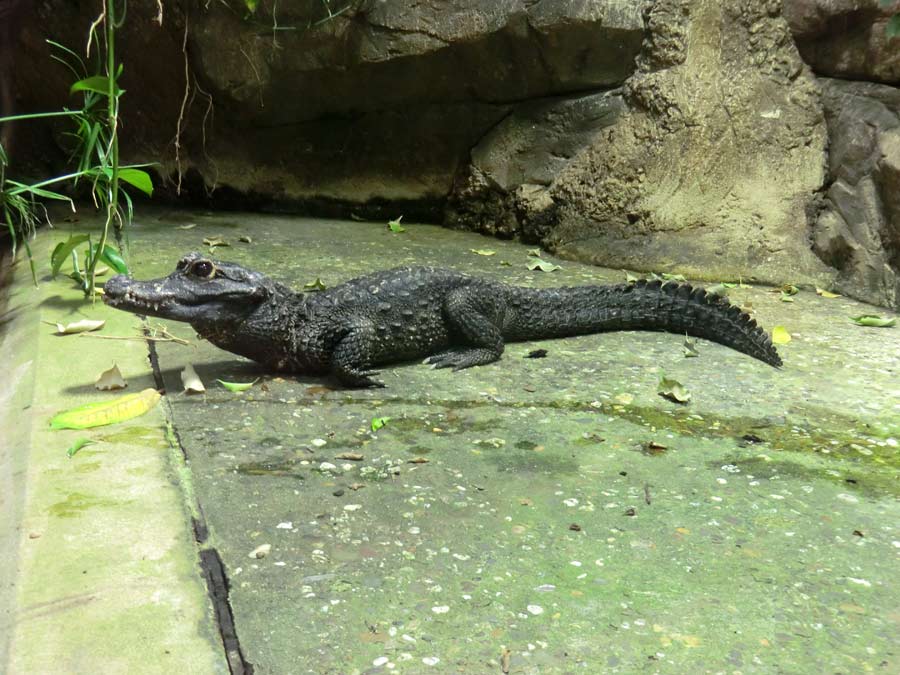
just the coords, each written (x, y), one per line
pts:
(643, 305)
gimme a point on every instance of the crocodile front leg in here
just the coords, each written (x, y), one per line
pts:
(353, 356)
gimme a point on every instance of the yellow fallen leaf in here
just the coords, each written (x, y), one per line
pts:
(106, 412)
(826, 294)
(780, 335)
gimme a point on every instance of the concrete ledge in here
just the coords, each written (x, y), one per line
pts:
(100, 569)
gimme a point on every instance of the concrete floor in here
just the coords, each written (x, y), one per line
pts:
(520, 515)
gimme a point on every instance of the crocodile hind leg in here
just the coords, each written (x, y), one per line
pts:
(472, 315)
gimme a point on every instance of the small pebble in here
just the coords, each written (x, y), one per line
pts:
(260, 551)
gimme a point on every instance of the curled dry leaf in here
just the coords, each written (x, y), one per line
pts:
(110, 379)
(82, 326)
(690, 348)
(419, 460)
(191, 381)
(542, 265)
(352, 456)
(673, 390)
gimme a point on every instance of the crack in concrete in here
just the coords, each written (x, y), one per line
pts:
(211, 564)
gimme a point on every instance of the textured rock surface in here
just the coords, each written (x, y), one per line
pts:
(383, 102)
(846, 38)
(506, 189)
(858, 228)
(709, 169)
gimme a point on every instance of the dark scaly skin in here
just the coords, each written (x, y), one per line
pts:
(455, 320)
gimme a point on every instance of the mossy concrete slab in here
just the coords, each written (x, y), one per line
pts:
(523, 515)
(547, 515)
(100, 572)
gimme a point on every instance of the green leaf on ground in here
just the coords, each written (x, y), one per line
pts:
(542, 265)
(102, 413)
(534, 252)
(780, 335)
(212, 242)
(786, 297)
(673, 390)
(316, 285)
(237, 386)
(482, 251)
(673, 277)
(873, 321)
(379, 422)
(717, 289)
(395, 226)
(78, 445)
(630, 278)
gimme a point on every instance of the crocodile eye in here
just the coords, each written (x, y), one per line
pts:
(203, 269)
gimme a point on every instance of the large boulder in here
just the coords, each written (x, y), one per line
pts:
(708, 167)
(858, 228)
(846, 38)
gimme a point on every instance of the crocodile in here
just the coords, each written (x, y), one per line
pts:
(453, 319)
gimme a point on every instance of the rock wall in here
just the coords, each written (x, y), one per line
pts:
(708, 165)
(683, 135)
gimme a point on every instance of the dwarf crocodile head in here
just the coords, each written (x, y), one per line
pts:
(201, 291)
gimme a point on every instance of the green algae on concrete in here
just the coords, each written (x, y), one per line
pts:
(761, 538)
(100, 571)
